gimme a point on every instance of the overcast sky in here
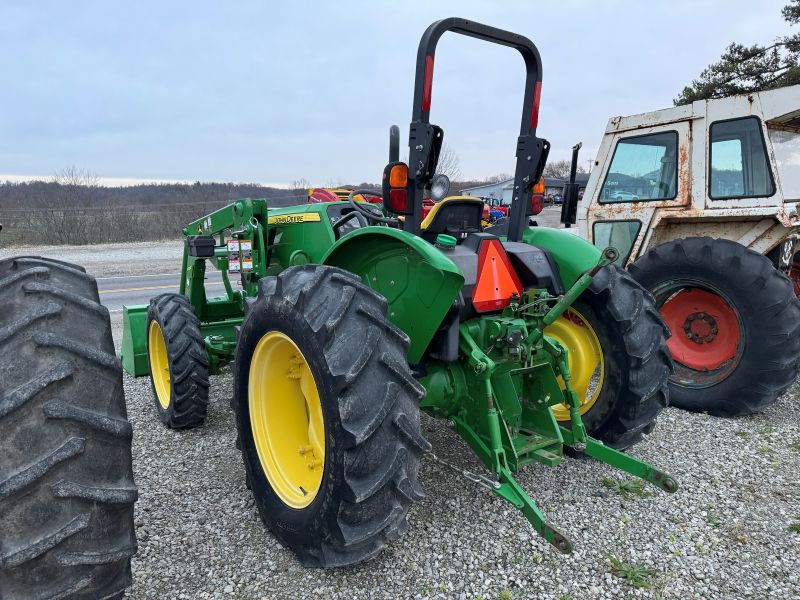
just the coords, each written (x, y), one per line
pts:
(273, 92)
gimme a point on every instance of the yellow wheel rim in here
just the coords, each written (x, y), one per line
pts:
(286, 419)
(159, 364)
(585, 360)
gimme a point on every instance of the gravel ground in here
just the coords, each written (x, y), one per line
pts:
(724, 535)
(109, 260)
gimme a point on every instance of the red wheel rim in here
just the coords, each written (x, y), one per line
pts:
(705, 329)
(794, 275)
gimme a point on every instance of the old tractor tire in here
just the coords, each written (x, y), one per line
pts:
(735, 324)
(66, 480)
(618, 358)
(178, 363)
(327, 415)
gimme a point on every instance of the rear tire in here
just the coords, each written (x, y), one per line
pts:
(369, 402)
(181, 389)
(66, 480)
(636, 363)
(763, 304)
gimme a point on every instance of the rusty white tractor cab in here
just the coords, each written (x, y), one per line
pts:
(702, 201)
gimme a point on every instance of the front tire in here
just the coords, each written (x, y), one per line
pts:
(66, 479)
(321, 377)
(735, 324)
(617, 358)
(178, 362)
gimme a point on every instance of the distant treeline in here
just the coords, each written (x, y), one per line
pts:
(50, 212)
(74, 209)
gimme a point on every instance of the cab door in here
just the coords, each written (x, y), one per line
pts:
(648, 170)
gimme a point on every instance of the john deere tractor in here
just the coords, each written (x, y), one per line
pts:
(66, 481)
(343, 320)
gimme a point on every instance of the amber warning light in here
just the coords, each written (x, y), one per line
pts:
(395, 196)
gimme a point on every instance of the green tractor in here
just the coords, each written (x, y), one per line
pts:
(351, 318)
(66, 478)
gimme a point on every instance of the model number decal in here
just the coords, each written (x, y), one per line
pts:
(295, 218)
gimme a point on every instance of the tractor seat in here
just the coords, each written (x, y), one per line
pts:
(457, 216)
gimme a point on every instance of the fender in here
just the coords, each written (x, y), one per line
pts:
(418, 281)
(573, 255)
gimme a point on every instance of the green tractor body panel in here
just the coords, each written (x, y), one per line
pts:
(418, 281)
(303, 234)
(573, 255)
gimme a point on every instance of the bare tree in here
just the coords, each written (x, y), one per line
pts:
(498, 178)
(301, 184)
(560, 169)
(70, 217)
(448, 163)
(300, 189)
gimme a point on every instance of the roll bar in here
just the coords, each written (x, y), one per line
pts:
(425, 139)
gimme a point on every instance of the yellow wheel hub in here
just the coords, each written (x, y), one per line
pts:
(159, 364)
(585, 360)
(286, 419)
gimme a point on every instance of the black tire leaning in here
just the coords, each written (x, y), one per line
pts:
(370, 409)
(66, 479)
(769, 315)
(188, 364)
(637, 363)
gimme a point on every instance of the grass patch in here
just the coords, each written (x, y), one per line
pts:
(795, 446)
(637, 575)
(627, 488)
(794, 527)
(745, 435)
(505, 595)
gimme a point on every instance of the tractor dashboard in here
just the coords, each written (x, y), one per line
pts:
(344, 218)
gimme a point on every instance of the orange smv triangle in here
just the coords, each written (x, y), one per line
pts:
(497, 280)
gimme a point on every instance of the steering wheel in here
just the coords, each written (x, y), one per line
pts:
(343, 220)
(370, 211)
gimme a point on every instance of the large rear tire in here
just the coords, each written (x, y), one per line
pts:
(735, 324)
(66, 480)
(617, 357)
(327, 415)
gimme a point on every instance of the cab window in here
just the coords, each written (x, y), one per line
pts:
(786, 148)
(644, 167)
(738, 160)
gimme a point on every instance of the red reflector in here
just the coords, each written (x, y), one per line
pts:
(427, 87)
(497, 280)
(537, 204)
(398, 201)
(537, 94)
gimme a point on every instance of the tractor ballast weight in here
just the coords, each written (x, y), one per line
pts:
(342, 330)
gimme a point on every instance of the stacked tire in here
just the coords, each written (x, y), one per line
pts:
(66, 479)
